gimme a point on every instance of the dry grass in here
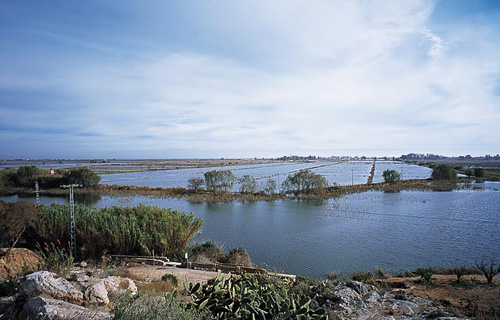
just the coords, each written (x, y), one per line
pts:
(473, 297)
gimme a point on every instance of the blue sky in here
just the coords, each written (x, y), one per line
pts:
(249, 78)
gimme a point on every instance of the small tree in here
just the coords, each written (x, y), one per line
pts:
(195, 183)
(270, 186)
(305, 181)
(444, 172)
(489, 270)
(86, 177)
(459, 272)
(248, 184)
(391, 176)
(219, 180)
(478, 172)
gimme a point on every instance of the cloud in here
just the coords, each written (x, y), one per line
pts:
(280, 77)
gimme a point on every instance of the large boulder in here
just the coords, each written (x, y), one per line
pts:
(347, 299)
(97, 294)
(51, 309)
(120, 285)
(46, 283)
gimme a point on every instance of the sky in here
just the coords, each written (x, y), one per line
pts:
(248, 78)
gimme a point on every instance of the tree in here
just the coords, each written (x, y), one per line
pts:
(478, 172)
(82, 176)
(443, 172)
(195, 183)
(305, 181)
(248, 184)
(391, 176)
(488, 269)
(217, 180)
(270, 186)
(26, 175)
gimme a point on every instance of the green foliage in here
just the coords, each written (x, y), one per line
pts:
(14, 218)
(56, 259)
(248, 184)
(478, 172)
(444, 172)
(195, 183)
(306, 182)
(170, 278)
(150, 306)
(366, 277)
(218, 180)
(391, 176)
(82, 176)
(270, 186)
(251, 297)
(119, 230)
(425, 276)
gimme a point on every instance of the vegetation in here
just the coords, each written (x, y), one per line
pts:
(270, 187)
(444, 172)
(208, 252)
(219, 180)
(489, 268)
(251, 297)
(305, 182)
(147, 306)
(391, 176)
(426, 276)
(195, 183)
(479, 172)
(56, 258)
(248, 184)
(26, 176)
(118, 230)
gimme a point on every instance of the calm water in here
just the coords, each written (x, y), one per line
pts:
(394, 231)
(343, 173)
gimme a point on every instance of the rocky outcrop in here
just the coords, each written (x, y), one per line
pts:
(44, 283)
(97, 294)
(356, 300)
(51, 309)
(120, 285)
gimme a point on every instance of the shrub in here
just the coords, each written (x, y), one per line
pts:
(478, 172)
(305, 181)
(425, 276)
(195, 183)
(82, 176)
(56, 259)
(248, 184)
(391, 176)
(270, 186)
(170, 278)
(366, 277)
(443, 172)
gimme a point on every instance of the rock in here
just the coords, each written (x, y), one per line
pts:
(359, 287)
(46, 283)
(83, 264)
(347, 299)
(401, 307)
(372, 300)
(120, 284)
(50, 309)
(97, 294)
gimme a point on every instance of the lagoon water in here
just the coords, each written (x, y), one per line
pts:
(393, 231)
(342, 173)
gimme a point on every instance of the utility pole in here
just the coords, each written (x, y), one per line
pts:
(72, 217)
(37, 193)
(352, 177)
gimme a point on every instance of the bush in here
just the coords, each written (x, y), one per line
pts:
(82, 176)
(478, 172)
(425, 276)
(361, 276)
(444, 172)
(391, 176)
(119, 230)
(170, 278)
(305, 181)
(56, 259)
(218, 180)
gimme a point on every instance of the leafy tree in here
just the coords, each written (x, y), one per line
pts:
(444, 172)
(305, 181)
(248, 184)
(391, 176)
(195, 183)
(26, 175)
(270, 186)
(469, 172)
(82, 176)
(217, 180)
(478, 172)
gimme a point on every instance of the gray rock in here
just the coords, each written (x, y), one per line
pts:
(401, 307)
(97, 294)
(46, 283)
(347, 299)
(359, 287)
(51, 309)
(120, 284)
(372, 300)
(83, 264)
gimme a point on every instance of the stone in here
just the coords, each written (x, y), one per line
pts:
(83, 264)
(359, 287)
(97, 294)
(347, 299)
(372, 300)
(120, 285)
(45, 283)
(51, 309)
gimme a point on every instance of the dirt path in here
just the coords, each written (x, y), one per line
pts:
(155, 273)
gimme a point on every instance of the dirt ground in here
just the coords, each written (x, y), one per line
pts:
(155, 273)
(472, 297)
